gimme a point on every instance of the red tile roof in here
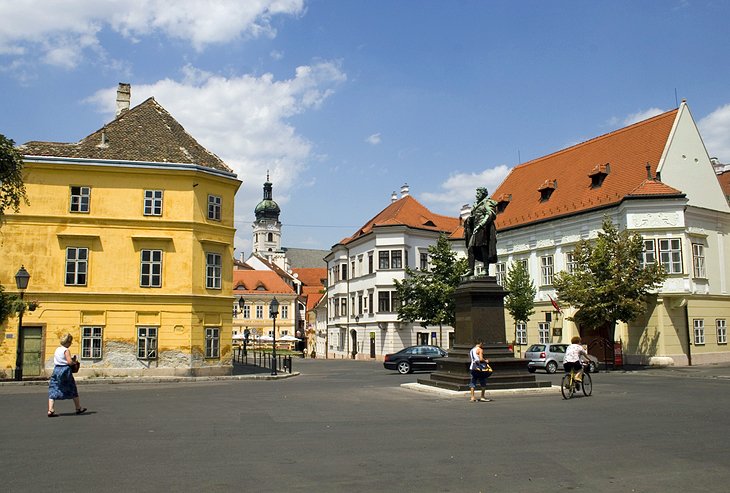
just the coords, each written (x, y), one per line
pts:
(620, 156)
(259, 281)
(724, 179)
(311, 276)
(407, 211)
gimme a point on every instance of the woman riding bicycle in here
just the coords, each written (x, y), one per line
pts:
(572, 359)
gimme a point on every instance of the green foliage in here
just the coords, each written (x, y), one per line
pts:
(12, 192)
(609, 282)
(520, 302)
(427, 296)
(12, 189)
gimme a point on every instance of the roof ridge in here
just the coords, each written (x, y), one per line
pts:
(598, 138)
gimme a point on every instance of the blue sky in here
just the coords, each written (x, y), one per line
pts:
(344, 101)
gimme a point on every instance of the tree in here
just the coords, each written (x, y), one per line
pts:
(12, 193)
(12, 189)
(610, 281)
(427, 296)
(520, 302)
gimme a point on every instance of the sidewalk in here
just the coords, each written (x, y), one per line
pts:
(240, 372)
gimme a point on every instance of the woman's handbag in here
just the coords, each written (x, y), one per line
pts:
(485, 369)
(75, 365)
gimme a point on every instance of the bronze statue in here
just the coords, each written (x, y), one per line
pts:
(480, 233)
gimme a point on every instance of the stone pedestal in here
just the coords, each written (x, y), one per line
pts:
(480, 315)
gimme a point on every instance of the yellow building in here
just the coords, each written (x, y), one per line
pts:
(128, 239)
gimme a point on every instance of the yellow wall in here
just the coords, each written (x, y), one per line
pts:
(115, 230)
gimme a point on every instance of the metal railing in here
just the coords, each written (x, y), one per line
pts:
(262, 359)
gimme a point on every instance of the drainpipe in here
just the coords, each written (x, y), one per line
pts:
(689, 338)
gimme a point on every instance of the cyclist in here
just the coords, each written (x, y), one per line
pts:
(572, 360)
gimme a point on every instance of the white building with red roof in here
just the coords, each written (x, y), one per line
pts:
(362, 317)
(656, 178)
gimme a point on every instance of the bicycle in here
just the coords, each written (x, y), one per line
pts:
(569, 385)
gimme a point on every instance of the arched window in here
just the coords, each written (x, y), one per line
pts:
(270, 237)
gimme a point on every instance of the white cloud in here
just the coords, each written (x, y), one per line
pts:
(244, 120)
(459, 189)
(60, 32)
(715, 131)
(373, 139)
(641, 115)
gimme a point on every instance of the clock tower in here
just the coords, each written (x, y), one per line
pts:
(266, 227)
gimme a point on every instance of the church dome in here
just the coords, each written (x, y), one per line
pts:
(267, 208)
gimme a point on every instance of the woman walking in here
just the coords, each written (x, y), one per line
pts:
(62, 384)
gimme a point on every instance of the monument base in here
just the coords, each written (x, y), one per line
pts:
(480, 315)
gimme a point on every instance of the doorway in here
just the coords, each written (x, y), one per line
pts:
(31, 345)
(372, 344)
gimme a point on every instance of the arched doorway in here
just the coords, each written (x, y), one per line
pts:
(598, 340)
(353, 337)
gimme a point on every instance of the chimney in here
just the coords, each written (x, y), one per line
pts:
(465, 212)
(404, 190)
(393, 197)
(124, 95)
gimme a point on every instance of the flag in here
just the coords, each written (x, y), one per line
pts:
(555, 304)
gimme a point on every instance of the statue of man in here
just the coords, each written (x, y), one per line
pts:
(480, 233)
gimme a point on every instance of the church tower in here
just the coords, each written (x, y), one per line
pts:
(266, 227)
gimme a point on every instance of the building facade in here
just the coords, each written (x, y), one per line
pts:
(654, 178)
(128, 238)
(361, 306)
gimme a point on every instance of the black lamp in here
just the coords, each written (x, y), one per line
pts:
(273, 313)
(21, 282)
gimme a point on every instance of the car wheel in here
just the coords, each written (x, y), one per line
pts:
(531, 369)
(551, 367)
(404, 367)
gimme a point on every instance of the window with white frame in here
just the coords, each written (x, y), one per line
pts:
(670, 255)
(91, 342)
(396, 259)
(343, 271)
(146, 342)
(523, 262)
(343, 306)
(77, 259)
(284, 311)
(384, 260)
(698, 260)
(543, 332)
(213, 265)
(699, 331)
(259, 311)
(521, 333)
(383, 301)
(546, 270)
(151, 269)
(371, 269)
(721, 331)
(80, 199)
(246, 311)
(214, 207)
(153, 202)
(423, 257)
(571, 263)
(500, 272)
(648, 254)
(212, 342)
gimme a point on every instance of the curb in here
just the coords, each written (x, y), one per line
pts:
(417, 387)
(124, 380)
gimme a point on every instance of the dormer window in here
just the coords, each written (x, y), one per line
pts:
(598, 174)
(547, 189)
(503, 201)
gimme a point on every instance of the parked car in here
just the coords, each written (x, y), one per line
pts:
(549, 357)
(414, 358)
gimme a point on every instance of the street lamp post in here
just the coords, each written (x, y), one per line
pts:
(21, 282)
(273, 313)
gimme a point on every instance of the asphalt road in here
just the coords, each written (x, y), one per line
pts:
(349, 426)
